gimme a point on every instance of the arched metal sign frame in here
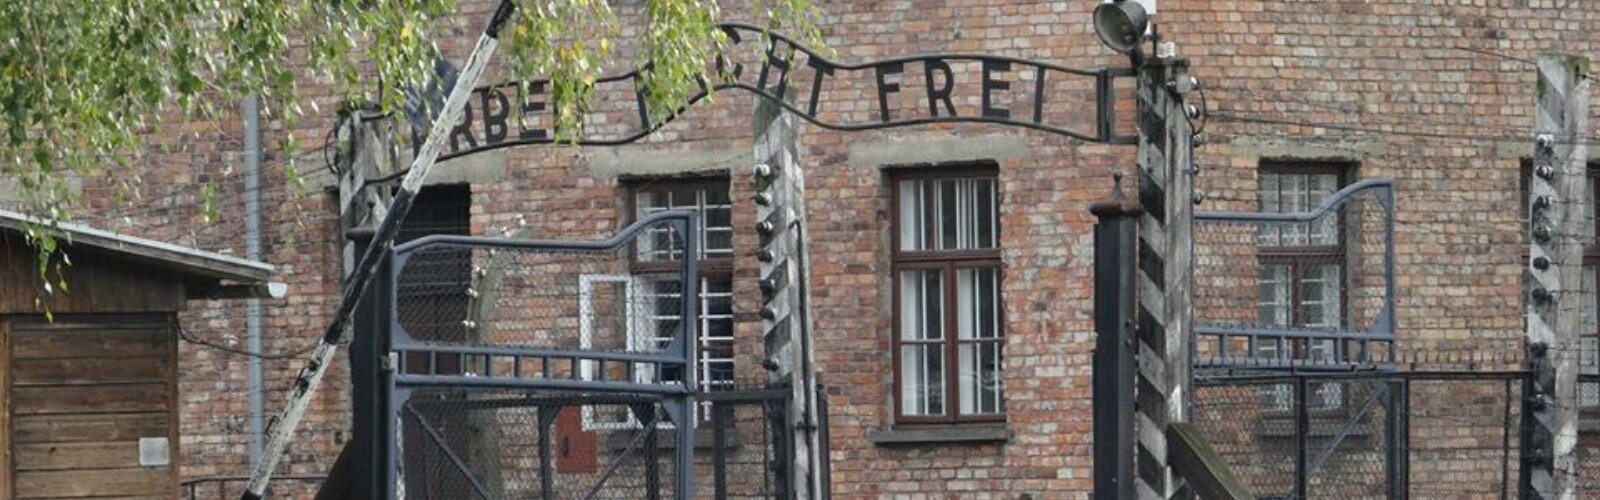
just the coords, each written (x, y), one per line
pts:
(782, 57)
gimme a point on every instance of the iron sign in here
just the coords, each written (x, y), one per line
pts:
(912, 90)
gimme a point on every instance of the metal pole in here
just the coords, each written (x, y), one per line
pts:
(1558, 200)
(311, 376)
(1302, 432)
(1115, 236)
(252, 251)
(1505, 443)
(1394, 429)
(721, 417)
(547, 425)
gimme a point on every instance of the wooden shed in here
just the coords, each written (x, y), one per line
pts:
(89, 406)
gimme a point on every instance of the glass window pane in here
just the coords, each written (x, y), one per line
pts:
(948, 214)
(922, 379)
(986, 213)
(977, 303)
(1293, 199)
(1591, 326)
(1324, 231)
(1319, 296)
(981, 386)
(1273, 304)
(911, 216)
(949, 208)
(709, 199)
(921, 304)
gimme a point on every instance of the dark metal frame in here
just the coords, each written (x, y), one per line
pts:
(1381, 330)
(948, 261)
(676, 399)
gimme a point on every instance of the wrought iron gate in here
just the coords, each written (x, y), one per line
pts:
(547, 369)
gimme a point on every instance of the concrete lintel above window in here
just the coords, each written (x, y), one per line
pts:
(623, 161)
(940, 434)
(1341, 149)
(902, 151)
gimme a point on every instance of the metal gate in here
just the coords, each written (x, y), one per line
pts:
(1411, 434)
(544, 369)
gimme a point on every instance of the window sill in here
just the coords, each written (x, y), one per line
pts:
(943, 434)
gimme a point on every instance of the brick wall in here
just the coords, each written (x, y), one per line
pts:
(1391, 66)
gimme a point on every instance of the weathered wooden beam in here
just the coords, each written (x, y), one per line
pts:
(1192, 458)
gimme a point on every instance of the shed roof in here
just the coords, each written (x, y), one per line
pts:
(190, 262)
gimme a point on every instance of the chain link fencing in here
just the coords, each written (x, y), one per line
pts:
(1367, 435)
(552, 444)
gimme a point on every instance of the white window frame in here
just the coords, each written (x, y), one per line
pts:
(637, 340)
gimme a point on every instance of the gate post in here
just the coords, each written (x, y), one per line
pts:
(1558, 225)
(785, 311)
(1166, 257)
(1114, 348)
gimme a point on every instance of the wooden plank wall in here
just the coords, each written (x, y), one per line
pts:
(83, 390)
(97, 282)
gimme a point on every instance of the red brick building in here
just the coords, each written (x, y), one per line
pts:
(1303, 97)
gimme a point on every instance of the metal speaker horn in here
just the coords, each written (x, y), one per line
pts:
(1121, 24)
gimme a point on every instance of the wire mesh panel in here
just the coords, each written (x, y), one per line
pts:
(545, 369)
(532, 444)
(537, 444)
(1398, 435)
(1588, 450)
(1250, 425)
(1464, 438)
(1297, 285)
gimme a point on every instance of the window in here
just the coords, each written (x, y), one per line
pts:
(1301, 270)
(709, 198)
(946, 260)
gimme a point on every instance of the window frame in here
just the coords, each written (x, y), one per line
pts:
(1298, 258)
(708, 268)
(948, 262)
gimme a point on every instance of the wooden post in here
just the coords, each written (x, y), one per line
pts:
(1166, 254)
(1558, 227)
(785, 315)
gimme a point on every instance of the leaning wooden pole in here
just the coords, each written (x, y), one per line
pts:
(1166, 255)
(282, 428)
(1558, 227)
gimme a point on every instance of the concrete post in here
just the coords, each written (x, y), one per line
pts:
(1559, 226)
(785, 314)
